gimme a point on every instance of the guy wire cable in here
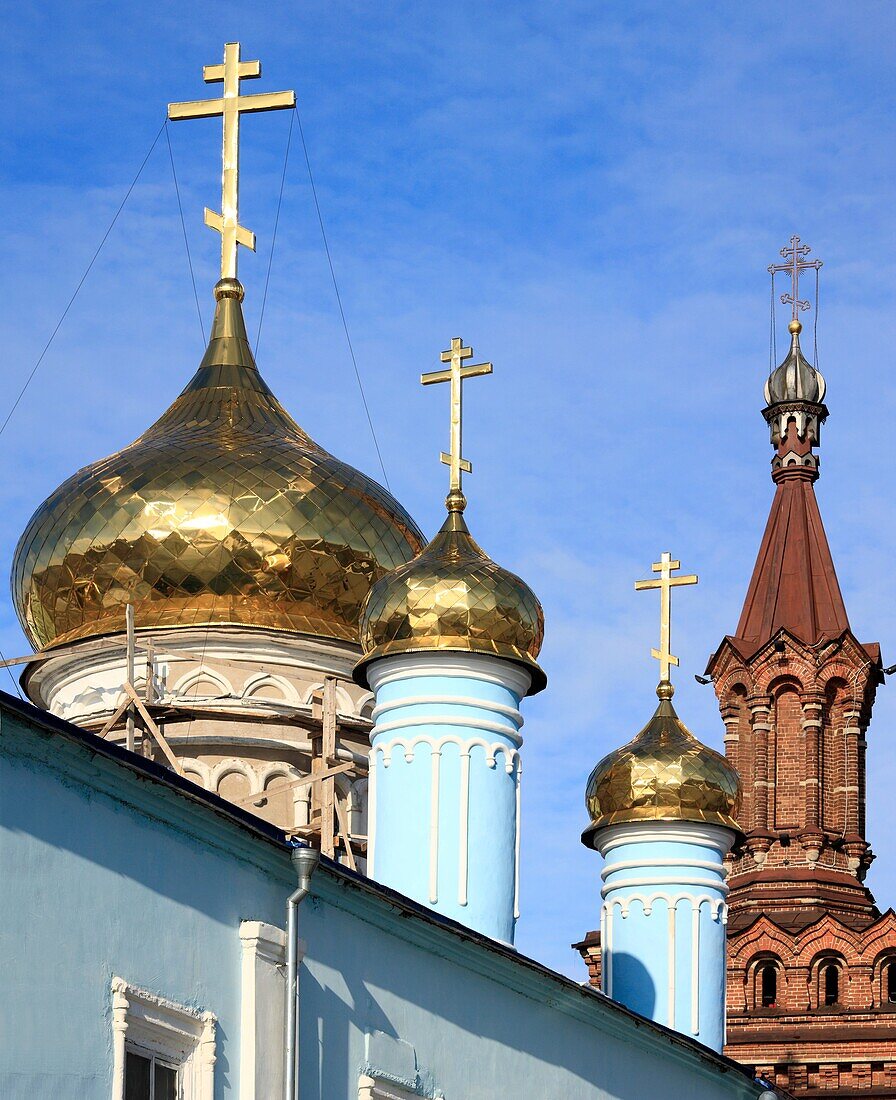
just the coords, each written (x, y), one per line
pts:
(81, 282)
(267, 279)
(183, 226)
(339, 302)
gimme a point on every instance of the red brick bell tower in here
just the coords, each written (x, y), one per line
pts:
(811, 960)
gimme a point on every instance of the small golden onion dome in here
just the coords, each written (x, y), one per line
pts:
(224, 511)
(452, 596)
(663, 774)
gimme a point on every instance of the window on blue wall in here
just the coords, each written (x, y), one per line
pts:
(161, 1050)
(147, 1077)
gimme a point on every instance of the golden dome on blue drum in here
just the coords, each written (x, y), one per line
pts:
(663, 774)
(452, 596)
(224, 511)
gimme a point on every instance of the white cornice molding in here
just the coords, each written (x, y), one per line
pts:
(262, 651)
(665, 880)
(462, 721)
(383, 1088)
(717, 907)
(465, 745)
(449, 700)
(443, 663)
(671, 861)
(701, 834)
(267, 940)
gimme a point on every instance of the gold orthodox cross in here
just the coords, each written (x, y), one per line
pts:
(795, 264)
(456, 374)
(666, 582)
(231, 105)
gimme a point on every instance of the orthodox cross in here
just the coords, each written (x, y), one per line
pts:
(666, 582)
(795, 264)
(231, 105)
(456, 374)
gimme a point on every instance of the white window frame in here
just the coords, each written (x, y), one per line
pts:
(149, 1024)
(378, 1088)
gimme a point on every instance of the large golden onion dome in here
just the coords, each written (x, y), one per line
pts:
(452, 596)
(663, 774)
(224, 511)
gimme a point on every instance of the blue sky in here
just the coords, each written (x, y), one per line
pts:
(589, 194)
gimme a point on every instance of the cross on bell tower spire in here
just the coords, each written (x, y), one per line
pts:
(230, 106)
(794, 266)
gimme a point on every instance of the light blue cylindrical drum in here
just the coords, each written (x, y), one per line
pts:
(663, 815)
(663, 919)
(450, 641)
(444, 789)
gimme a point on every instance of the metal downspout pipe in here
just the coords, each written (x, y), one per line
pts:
(305, 860)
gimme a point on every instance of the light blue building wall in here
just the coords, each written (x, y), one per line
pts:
(496, 1026)
(111, 868)
(109, 874)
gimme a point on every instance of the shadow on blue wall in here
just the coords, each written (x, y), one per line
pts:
(633, 985)
(376, 969)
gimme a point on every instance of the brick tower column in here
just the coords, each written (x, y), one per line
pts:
(812, 837)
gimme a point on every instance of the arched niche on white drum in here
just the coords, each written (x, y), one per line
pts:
(196, 771)
(233, 780)
(284, 805)
(344, 793)
(263, 685)
(202, 683)
(357, 807)
(121, 698)
(344, 702)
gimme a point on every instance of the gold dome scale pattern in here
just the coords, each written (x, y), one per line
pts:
(663, 774)
(224, 511)
(452, 596)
